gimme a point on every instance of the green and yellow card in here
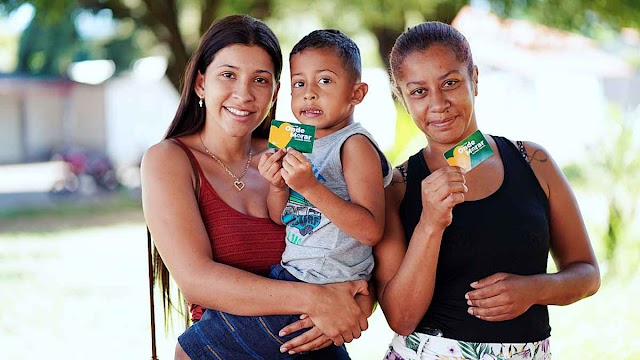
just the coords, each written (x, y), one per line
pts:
(288, 134)
(469, 152)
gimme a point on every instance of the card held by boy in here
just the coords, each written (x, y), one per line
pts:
(469, 152)
(287, 134)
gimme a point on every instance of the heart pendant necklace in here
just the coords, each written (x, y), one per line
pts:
(238, 183)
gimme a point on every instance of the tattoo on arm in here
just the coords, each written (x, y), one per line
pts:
(539, 155)
(402, 171)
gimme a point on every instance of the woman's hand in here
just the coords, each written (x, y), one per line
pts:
(311, 340)
(337, 314)
(314, 339)
(501, 296)
(441, 191)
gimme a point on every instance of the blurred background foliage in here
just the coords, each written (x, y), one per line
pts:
(172, 27)
(62, 32)
(611, 168)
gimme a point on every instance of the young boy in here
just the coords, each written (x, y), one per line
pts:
(331, 201)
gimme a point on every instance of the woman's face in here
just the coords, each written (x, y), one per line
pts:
(238, 88)
(439, 94)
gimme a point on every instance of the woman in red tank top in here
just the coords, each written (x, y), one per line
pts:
(205, 201)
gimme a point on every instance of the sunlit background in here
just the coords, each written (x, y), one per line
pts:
(86, 86)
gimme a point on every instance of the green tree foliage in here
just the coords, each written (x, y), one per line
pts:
(162, 18)
(575, 15)
(613, 169)
(46, 49)
(386, 19)
(51, 42)
(177, 24)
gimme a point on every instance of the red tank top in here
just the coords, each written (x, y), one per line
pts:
(239, 240)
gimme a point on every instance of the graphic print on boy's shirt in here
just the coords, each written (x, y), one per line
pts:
(300, 216)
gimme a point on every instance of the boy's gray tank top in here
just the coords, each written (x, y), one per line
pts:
(316, 250)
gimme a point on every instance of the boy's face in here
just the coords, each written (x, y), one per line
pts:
(323, 93)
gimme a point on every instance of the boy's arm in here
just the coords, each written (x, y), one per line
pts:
(363, 217)
(276, 201)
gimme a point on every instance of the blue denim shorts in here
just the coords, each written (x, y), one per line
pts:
(222, 336)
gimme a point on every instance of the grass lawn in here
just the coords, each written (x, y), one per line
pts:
(74, 286)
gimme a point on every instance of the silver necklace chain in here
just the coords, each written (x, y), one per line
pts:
(238, 183)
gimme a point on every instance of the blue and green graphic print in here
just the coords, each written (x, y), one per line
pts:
(300, 216)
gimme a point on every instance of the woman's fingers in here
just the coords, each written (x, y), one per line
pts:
(317, 344)
(454, 199)
(500, 297)
(296, 326)
(446, 174)
(438, 186)
(337, 314)
(309, 340)
(441, 192)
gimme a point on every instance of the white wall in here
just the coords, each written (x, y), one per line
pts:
(87, 117)
(44, 128)
(138, 112)
(562, 111)
(10, 133)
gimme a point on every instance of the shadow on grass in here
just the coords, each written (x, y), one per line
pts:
(73, 213)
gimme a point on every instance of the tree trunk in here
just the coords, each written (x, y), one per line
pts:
(165, 16)
(161, 17)
(388, 33)
(260, 9)
(208, 14)
(386, 38)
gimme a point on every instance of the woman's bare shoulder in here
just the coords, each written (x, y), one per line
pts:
(542, 164)
(165, 155)
(533, 151)
(395, 191)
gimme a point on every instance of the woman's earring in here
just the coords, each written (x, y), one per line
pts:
(200, 102)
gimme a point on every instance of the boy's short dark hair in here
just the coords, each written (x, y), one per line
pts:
(334, 39)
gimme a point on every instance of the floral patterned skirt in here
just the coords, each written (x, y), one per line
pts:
(418, 346)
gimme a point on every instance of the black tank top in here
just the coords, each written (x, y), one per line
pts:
(507, 231)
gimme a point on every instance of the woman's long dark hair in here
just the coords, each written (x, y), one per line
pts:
(190, 118)
(231, 30)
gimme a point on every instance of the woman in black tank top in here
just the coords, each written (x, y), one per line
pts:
(461, 271)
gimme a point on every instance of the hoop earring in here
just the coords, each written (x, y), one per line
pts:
(200, 102)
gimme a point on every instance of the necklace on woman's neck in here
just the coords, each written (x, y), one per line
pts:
(238, 183)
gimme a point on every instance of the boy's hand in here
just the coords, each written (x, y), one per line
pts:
(297, 171)
(270, 166)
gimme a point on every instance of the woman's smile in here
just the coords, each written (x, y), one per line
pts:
(442, 123)
(237, 112)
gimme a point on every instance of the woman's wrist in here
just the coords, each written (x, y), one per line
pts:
(425, 230)
(307, 297)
